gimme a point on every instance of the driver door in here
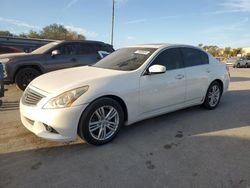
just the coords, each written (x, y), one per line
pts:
(66, 59)
(163, 92)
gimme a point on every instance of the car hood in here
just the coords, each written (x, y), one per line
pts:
(67, 79)
(19, 56)
(13, 55)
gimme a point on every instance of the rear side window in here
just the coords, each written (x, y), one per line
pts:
(194, 57)
(170, 58)
(87, 49)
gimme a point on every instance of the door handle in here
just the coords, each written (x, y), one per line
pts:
(208, 71)
(73, 59)
(179, 76)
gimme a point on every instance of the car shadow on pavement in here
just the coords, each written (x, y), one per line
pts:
(206, 148)
(239, 79)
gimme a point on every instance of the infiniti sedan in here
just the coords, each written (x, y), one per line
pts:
(130, 85)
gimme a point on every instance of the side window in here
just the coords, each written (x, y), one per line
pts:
(194, 57)
(68, 49)
(87, 49)
(170, 58)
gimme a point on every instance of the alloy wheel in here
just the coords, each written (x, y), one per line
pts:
(104, 123)
(214, 95)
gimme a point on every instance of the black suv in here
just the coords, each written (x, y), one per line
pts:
(22, 68)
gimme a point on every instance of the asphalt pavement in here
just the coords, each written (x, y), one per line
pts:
(193, 147)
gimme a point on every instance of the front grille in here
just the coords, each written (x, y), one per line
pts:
(31, 97)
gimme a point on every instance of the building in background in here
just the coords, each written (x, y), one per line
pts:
(246, 51)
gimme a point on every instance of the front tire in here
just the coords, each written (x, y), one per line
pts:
(25, 76)
(101, 121)
(213, 96)
(246, 65)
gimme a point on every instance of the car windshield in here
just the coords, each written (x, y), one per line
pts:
(45, 48)
(125, 59)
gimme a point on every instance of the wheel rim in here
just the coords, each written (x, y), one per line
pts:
(104, 123)
(214, 95)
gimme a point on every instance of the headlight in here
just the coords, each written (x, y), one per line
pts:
(66, 99)
(5, 60)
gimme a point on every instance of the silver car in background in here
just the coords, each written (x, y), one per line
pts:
(237, 62)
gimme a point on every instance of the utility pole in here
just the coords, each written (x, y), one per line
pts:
(113, 23)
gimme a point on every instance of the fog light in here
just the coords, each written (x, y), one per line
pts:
(50, 129)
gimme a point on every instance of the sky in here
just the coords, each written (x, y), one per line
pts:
(209, 22)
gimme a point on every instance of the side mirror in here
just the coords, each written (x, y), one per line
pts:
(55, 53)
(156, 69)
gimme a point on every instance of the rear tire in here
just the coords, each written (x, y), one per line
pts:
(246, 65)
(25, 76)
(101, 121)
(213, 96)
(238, 65)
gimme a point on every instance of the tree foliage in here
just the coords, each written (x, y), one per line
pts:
(220, 52)
(212, 49)
(53, 31)
(6, 33)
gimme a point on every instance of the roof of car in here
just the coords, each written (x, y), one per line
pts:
(162, 45)
(85, 41)
(153, 45)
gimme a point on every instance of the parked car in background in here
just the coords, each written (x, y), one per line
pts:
(7, 50)
(231, 61)
(22, 68)
(237, 62)
(127, 86)
(1, 81)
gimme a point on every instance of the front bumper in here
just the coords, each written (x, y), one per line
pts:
(64, 121)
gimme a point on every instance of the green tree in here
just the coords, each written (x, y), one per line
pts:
(6, 33)
(54, 31)
(72, 35)
(214, 50)
(237, 51)
(227, 52)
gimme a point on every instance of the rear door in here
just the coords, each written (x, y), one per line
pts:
(159, 91)
(197, 73)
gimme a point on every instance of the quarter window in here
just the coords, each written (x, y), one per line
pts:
(194, 57)
(170, 58)
(87, 49)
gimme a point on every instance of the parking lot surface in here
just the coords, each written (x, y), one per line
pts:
(188, 148)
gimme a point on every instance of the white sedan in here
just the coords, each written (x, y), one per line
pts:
(130, 85)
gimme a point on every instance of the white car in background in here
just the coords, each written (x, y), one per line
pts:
(237, 62)
(129, 85)
(241, 62)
